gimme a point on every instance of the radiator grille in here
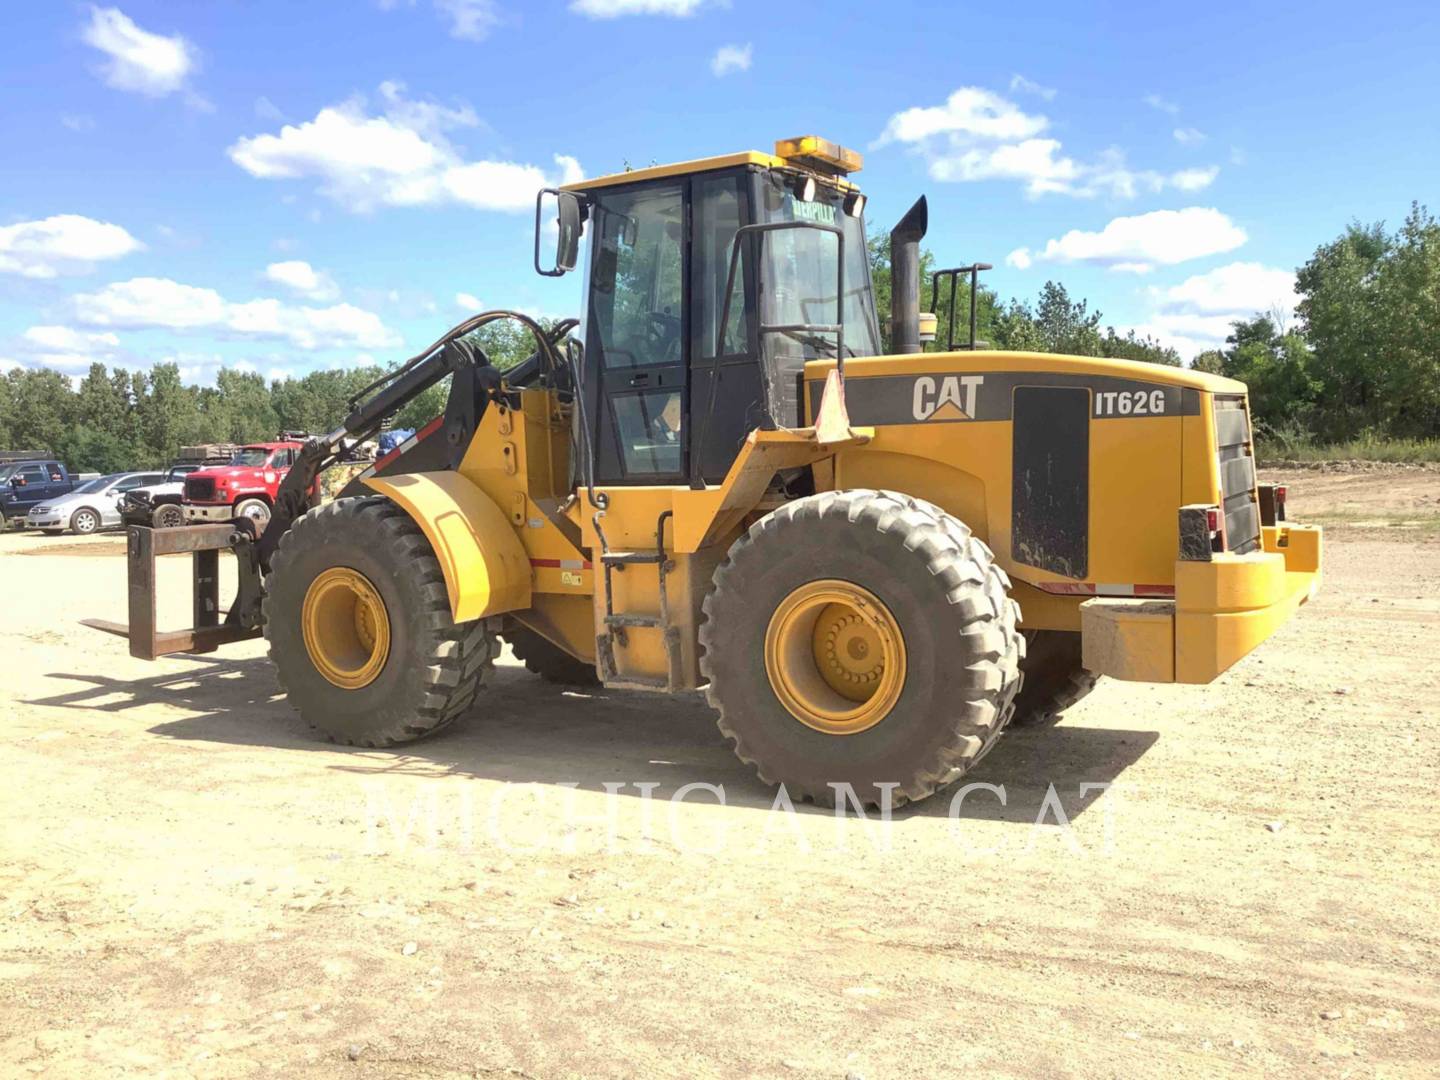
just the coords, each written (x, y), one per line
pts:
(199, 489)
(1237, 474)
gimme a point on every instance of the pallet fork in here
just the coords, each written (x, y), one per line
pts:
(204, 544)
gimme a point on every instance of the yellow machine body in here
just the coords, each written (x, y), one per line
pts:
(514, 540)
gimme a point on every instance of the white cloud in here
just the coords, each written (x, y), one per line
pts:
(64, 337)
(1155, 101)
(62, 244)
(1019, 84)
(467, 20)
(1138, 244)
(470, 20)
(401, 157)
(1189, 136)
(1239, 286)
(159, 303)
(303, 279)
(979, 135)
(729, 58)
(1197, 314)
(65, 348)
(613, 9)
(969, 111)
(1194, 179)
(138, 61)
(468, 302)
(79, 122)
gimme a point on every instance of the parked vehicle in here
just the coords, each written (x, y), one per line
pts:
(90, 507)
(24, 484)
(244, 488)
(157, 505)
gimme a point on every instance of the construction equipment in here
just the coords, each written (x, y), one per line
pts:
(716, 482)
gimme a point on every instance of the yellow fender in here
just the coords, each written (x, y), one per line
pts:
(487, 571)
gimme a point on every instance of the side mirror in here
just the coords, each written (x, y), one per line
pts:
(18, 481)
(570, 216)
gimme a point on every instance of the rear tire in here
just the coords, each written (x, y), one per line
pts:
(433, 667)
(544, 658)
(1055, 677)
(945, 618)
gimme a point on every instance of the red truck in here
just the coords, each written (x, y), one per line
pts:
(244, 488)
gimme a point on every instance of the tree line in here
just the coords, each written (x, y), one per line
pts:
(115, 419)
(1361, 360)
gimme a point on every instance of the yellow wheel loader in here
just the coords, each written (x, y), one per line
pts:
(712, 480)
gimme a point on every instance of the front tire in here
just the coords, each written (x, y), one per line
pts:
(84, 521)
(862, 638)
(359, 626)
(168, 516)
(257, 510)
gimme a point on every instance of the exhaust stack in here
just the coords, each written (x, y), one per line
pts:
(905, 278)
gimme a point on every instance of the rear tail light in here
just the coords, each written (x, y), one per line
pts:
(1202, 532)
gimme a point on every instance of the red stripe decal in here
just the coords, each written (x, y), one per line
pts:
(556, 564)
(1155, 590)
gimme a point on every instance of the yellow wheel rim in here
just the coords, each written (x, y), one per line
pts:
(346, 628)
(835, 657)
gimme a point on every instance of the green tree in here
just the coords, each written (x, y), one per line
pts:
(1211, 361)
(241, 408)
(86, 449)
(41, 408)
(1067, 326)
(1277, 367)
(1132, 347)
(168, 413)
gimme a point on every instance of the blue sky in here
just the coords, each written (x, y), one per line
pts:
(283, 187)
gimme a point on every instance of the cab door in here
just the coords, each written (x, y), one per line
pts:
(637, 334)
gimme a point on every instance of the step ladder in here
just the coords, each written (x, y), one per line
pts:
(616, 626)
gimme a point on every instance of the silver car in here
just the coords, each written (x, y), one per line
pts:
(90, 507)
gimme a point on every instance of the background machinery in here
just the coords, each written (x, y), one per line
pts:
(869, 563)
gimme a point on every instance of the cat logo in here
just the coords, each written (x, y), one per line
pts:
(945, 397)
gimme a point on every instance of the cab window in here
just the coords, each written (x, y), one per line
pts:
(636, 291)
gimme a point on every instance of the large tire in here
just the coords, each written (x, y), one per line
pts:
(433, 668)
(939, 588)
(1055, 678)
(546, 659)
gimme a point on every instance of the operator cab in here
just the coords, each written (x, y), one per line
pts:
(665, 244)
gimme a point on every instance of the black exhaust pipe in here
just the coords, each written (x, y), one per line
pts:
(905, 278)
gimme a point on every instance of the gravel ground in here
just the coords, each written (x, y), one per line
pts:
(192, 884)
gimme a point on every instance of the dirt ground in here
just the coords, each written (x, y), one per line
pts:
(193, 884)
